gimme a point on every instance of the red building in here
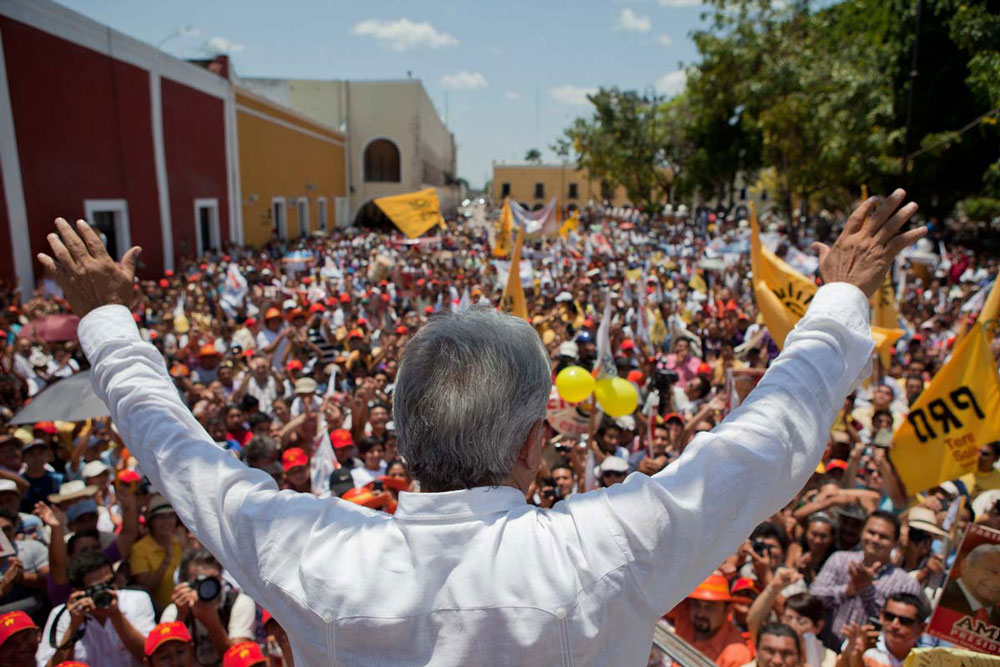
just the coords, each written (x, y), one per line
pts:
(95, 124)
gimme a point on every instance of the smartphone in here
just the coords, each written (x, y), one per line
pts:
(378, 485)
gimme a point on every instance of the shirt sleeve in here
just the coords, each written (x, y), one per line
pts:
(140, 612)
(694, 513)
(45, 650)
(234, 511)
(169, 613)
(827, 586)
(241, 618)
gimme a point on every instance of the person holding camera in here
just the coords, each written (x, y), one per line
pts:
(216, 617)
(99, 623)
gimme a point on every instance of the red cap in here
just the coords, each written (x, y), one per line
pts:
(331, 301)
(203, 267)
(13, 622)
(296, 313)
(163, 633)
(402, 330)
(265, 616)
(317, 308)
(429, 310)
(72, 663)
(383, 283)
(745, 590)
(673, 416)
(250, 322)
(164, 283)
(129, 477)
(46, 427)
(420, 282)
(836, 464)
(704, 369)
(243, 655)
(345, 297)
(635, 376)
(208, 350)
(355, 333)
(293, 458)
(362, 322)
(385, 297)
(306, 280)
(341, 438)
(588, 323)
(226, 258)
(293, 365)
(168, 273)
(272, 313)
(628, 344)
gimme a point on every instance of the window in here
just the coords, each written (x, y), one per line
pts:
(206, 225)
(606, 191)
(573, 194)
(321, 212)
(539, 190)
(743, 193)
(302, 213)
(504, 190)
(341, 211)
(110, 218)
(279, 224)
(763, 195)
(381, 162)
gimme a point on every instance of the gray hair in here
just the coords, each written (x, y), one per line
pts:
(468, 391)
(980, 551)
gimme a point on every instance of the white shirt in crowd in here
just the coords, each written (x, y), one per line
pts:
(101, 644)
(478, 576)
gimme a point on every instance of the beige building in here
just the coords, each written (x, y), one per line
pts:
(396, 142)
(532, 185)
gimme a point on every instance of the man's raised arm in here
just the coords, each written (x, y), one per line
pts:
(692, 515)
(210, 490)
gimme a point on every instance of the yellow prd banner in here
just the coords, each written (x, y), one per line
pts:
(951, 419)
(414, 212)
(884, 312)
(513, 300)
(783, 294)
(502, 247)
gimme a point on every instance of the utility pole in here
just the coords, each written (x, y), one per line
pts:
(911, 94)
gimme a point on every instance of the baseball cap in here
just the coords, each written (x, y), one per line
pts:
(293, 365)
(628, 344)
(341, 438)
(836, 464)
(713, 589)
(293, 457)
(95, 468)
(272, 313)
(429, 310)
(246, 654)
(317, 308)
(305, 386)
(208, 350)
(614, 464)
(563, 296)
(569, 349)
(8, 485)
(31, 444)
(129, 477)
(173, 631)
(13, 622)
(46, 427)
(745, 590)
(401, 330)
(673, 416)
(341, 482)
(289, 304)
(345, 297)
(81, 508)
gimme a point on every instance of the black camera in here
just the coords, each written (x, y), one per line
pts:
(378, 485)
(664, 378)
(208, 588)
(101, 595)
(760, 547)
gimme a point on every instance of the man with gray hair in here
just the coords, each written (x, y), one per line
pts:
(469, 574)
(976, 592)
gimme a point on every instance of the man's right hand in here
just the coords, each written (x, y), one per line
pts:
(86, 273)
(869, 243)
(78, 606)
(184, 598)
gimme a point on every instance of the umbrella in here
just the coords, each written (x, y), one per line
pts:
(52, 328)
(70, 400)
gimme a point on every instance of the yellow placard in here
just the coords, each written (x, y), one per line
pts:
(953, 417)
(414, 212)
(513, 300)
(502, 246)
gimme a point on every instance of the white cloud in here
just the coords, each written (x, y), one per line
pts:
(665, 40)
(629, 20)
(511, 95)
(679, 3)
(464, 81)
(568, 94)
(223, 45)
(403, 34)
(671, 83)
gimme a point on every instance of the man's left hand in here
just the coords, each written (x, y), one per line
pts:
(86, 273)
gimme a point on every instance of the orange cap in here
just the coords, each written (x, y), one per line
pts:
(243, 655)
(635, 376)
(13, 622)
(208, 350)
(713, 589)
(166, 632)
(272, 313)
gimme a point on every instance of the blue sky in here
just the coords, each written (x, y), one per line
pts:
(514, 72)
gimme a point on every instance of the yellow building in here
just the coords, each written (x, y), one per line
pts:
(293, 176)
(535, 184)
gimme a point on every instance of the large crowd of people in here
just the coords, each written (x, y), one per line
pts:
(288, 356)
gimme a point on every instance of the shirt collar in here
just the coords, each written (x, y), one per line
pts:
(456, 504)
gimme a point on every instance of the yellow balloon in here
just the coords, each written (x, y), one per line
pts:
(574, 384)
(617, 396)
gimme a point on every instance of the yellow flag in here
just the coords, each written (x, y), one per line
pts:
(513, 301)
(953, 417)
(571, 223)
(884, 306)
(697, 283)
(783, 294)
(991, 309)
(414, 212)
(885, 339)
(502, 247)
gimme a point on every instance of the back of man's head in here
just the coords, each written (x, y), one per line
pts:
(469, 389)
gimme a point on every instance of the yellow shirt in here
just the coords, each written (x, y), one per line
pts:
(146, 556)
(977, 482)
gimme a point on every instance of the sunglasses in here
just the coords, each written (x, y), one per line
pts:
(906, 621)
(610, 473)
(917, 535)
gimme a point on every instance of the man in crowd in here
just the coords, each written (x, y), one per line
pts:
(19, 639)
(703, 621)
(903, 619)
(977, 591)
(854, 585)
(169, 645)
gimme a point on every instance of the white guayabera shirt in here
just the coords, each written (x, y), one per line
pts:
(478, 577)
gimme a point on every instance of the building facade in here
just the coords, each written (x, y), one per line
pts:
(533, 185)
(395, 139)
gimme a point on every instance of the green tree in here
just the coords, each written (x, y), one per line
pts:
(534, 156)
